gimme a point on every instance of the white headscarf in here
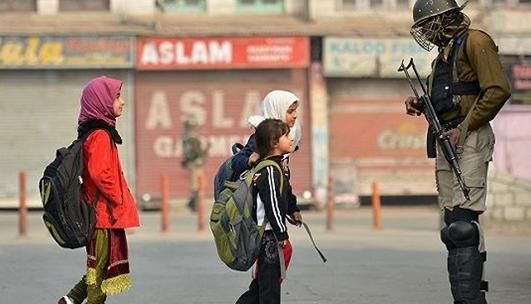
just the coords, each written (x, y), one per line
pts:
(275, 105)
(255, 120)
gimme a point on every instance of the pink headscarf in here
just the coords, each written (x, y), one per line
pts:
(97, 100)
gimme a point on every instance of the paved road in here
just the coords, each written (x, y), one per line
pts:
(404, 263)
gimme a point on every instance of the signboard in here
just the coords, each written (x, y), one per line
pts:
(55, 52)
(380, 142)
(518, 69)
(520, 76)
(360, 57)
(159, 53)
(220, 103)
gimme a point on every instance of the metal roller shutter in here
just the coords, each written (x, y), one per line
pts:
(39, 111)
(221, 101)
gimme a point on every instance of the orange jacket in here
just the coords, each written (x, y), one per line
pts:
(116, 207)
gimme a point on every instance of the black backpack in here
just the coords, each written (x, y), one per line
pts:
(67, 216)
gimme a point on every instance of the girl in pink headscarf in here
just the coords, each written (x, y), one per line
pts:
(105, 186)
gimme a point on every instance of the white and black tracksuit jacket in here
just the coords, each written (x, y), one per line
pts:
(271, 202)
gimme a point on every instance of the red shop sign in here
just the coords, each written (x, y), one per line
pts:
(160, 53)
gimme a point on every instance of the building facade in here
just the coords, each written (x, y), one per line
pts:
(183, 58)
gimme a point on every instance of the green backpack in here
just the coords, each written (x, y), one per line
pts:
(238, 237)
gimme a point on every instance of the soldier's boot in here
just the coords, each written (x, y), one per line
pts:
(192, 202)
(465, 269)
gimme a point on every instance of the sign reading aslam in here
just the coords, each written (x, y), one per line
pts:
(58, 52)
(160, 53)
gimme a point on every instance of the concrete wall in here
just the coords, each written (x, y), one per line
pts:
(508, 202)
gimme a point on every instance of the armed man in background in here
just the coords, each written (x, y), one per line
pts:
(468, 87)
(193, 159)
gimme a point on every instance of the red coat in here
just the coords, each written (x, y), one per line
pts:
(116, 207)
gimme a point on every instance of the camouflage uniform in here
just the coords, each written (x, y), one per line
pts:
(194, 155)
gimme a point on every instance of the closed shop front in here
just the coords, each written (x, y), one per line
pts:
(219, 83)
(41, 79)
(371, 137)
(512, 124)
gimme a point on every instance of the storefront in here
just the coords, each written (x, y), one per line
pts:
(41, 79)
(218, 82)
(512, 124)
(371, 137)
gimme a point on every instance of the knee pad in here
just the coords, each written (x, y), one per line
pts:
(463, 234)
(445, 238)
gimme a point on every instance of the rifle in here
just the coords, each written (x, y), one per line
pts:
(431, 116)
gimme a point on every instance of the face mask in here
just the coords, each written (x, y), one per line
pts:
(437, 30)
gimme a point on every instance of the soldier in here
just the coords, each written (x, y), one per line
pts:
(194, 154)
(468, 87)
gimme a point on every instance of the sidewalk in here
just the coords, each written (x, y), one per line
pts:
(400, 224)
(183, 223)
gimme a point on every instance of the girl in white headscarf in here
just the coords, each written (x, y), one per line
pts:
(277, 104)
(283, 105)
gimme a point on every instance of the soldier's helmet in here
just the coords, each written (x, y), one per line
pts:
(428, 19)
(424, 9)
(189, 123)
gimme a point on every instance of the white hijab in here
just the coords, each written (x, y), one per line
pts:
(275, 105)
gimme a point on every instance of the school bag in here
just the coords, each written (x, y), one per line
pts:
(225, 172)
(236, 234)
(69, 219)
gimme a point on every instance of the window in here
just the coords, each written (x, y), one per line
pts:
(181, 6)
(83, 5)
(349, 4)
(497, 3)
(377, 4)
(505, 3)
(18, 5)
(368, 4)
(402, 4)
(260, 6)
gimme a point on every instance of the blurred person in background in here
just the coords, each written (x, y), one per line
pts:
(194, 157)
(468, 87)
